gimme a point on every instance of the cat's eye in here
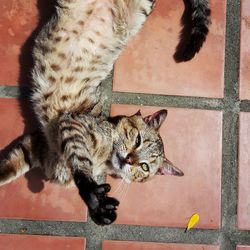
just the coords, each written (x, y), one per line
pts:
(145, 167)
(138, 141)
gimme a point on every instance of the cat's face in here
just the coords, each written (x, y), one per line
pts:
(138, 152)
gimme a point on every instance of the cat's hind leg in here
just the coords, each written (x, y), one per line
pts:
(131, 14)
(20, 159)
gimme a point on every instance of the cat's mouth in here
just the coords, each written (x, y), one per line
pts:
(120, 161)
(120, 167)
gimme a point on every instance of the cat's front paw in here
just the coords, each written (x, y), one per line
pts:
(102, 208)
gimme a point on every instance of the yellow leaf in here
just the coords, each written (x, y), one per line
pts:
(193, 221)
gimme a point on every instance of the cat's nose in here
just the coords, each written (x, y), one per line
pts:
(130, 159)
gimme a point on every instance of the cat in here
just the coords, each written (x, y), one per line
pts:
(75, 144)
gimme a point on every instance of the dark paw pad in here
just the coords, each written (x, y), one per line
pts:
(102, 208)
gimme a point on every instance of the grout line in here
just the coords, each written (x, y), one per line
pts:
(112, 232)
(9, 91)
(241, 237)
(107, 92)
(229, 177)
(230, 127)
(129, 232)
(170, 101)
(226, 242)
(245, 106)
(162, 234)
(230, 118)
(132, 98)
(14, 92)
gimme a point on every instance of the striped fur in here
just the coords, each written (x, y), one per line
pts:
(29, 152)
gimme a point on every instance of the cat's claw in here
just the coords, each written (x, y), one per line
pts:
(102, 208)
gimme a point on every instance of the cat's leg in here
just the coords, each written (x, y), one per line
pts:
(20, 159)
(102, 208)
(133, 13)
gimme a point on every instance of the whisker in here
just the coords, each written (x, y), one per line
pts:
(125, 192)
(118, 186)
(124, 189)
(121, 191)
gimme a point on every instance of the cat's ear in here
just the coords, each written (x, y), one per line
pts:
(155, 120)
(169, 168)
(138, 113)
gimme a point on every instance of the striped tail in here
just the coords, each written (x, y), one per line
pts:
(20, 158)
(195, 21)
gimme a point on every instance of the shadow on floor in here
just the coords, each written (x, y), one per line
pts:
(35, 177)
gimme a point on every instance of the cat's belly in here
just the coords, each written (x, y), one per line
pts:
(72, 59)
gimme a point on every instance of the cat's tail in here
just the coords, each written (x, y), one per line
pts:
(20, 158)
(195, 21)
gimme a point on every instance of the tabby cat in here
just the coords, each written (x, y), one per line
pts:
(73, 53)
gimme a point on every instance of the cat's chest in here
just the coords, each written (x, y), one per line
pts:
(100, 156)
(100, 142)
(102, 150)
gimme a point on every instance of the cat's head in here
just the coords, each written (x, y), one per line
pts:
(138, 152)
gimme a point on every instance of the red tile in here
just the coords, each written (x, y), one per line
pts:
(19, 21)
(11, 121)
(123, 245)
(244, 172)
(26, 242)
(37, 199)
(245, 50)
(197, 151)
(33, 198)
(243, 248)
(147, 65)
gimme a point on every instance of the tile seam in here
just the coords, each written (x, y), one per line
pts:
(170, 101)
(140, 99)
(230, 128)
(86, 229)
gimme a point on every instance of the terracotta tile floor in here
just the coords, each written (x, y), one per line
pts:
(120, 245)
(18, 20)
(243, 248)
(21, 242)
(192, 134)
(245, 51)
(40, 200)
(200, 160)
(147, 66)
(244, 173)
